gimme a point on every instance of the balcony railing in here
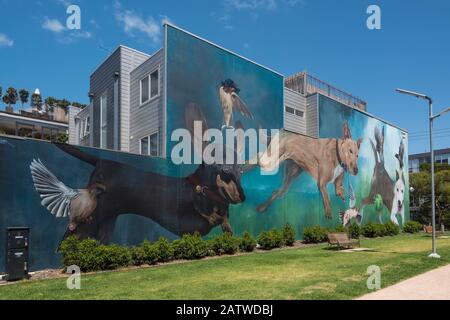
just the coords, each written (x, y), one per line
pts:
(306, 84)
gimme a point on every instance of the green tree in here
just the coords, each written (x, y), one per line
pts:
(10, 97)
(50, 103)
(63, 103)
(23, 96)
(36, 101)
(78, 105)
(421, 194)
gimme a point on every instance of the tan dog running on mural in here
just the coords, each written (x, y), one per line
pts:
(325, 160)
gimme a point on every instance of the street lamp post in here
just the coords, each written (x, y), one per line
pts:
(431, 117)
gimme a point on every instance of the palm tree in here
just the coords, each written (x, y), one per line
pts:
(10, 98)
(63, 104)
(50, 103)
(36, 101)
(23, 96)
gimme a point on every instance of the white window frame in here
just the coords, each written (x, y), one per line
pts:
(150, 98)
(100, 122)
(149, 144)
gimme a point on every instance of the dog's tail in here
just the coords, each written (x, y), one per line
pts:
(77, 153)
(374, 149)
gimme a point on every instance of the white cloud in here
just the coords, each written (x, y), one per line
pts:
(5, 41)
(53, 25)
(94, 23)
(262, 4)
(64, 3)
(134, 24)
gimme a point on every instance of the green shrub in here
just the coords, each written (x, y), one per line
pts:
(247, 243)
(165, 250)
(370, 230)
(380, 230)
(315, 234)
(137, 255)
(225, 244)
(288, 235)
(190, 246)
(112, 256)
(340, 228)
(90, 255)
(391, 229)
(354, 230)
(412, 227)
(151, 252)
(270, 239)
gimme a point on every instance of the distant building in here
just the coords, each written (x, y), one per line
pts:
(440, 156)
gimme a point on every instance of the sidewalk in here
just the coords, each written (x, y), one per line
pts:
(432, 285)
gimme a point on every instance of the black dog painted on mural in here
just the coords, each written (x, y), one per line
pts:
(198, 202)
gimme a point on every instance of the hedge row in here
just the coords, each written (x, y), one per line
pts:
(90, 255)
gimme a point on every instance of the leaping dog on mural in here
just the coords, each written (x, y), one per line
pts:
(391, 192)
(325, 160)
(197, 202)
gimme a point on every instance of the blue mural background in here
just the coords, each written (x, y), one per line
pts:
(195, 70)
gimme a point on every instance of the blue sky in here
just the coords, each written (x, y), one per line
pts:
(327, 38)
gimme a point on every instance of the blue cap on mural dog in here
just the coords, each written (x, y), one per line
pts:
(228, 83)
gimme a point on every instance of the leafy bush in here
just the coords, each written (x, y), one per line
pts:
(137, 255)
(370, 230)
(315, 234)
(288, 235)
(354, 230)
(151, 253)
(90, 255)
(380, 230)
(111, 257)
(391, 229)
(190, 246)
(225, 244)
(412, 227)
(270, 239)
(340, 228)
(165, 250)
(247, 243)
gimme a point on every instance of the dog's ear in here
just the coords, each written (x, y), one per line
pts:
(358, 143)
(347, 133)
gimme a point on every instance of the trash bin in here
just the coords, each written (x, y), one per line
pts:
(17, 244)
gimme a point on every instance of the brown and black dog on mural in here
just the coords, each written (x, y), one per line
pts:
(326, 160)
(197, 202)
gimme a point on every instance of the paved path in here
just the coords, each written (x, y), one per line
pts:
(432, 285)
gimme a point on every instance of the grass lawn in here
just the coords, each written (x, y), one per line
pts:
(308, 273)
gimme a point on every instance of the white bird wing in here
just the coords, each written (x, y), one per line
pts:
(55, 195)
(240, 105)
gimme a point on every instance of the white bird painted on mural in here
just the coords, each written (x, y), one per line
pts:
(61, 200)
(230, 100)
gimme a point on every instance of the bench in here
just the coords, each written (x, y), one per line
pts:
(429, 229)
(341, 240)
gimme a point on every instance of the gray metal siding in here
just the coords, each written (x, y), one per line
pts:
(122, 60)
(130, 59)
(73, 132)
(297, 101)
(147, 118)
(102, 81)
(312, 116)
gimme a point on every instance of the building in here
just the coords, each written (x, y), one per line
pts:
(32, 124)
(128, 103)
(338, 164)
(440, 156)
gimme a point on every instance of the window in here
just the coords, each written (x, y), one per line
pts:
(150, 86)
(144, 90)
(149, 145)
(87, 126)
(154, 83)
(299, 113)
(143, 148)
(289, 109)
(103, 122)
(154, 144)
